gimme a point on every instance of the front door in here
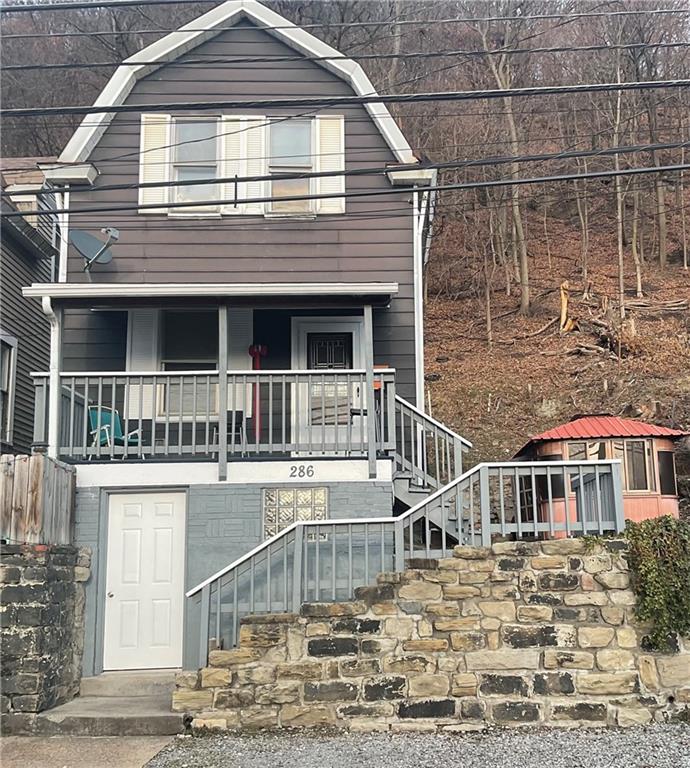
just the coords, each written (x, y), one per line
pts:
(328, 411)
(144, 581)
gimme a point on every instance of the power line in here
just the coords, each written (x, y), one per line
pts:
(379, 171)
(43, 7)
(381, 215)
(357, 194)
(316, 102)
(342, 57)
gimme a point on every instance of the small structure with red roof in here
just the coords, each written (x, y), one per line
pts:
(646, 452)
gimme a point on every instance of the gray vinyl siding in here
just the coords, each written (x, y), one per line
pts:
(23, 319)
(372, 241)
(94, 341)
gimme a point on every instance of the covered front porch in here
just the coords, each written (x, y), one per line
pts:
(233, 373)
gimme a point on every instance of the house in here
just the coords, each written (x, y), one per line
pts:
(28, 252)
(237, 343)
(646, 453)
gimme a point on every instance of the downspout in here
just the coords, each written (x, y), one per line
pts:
(417, 257)
(55, 321)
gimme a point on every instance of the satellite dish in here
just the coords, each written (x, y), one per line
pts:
(91, 248)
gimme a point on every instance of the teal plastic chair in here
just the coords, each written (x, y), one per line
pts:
(106, 431)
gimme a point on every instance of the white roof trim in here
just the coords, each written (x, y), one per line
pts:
(177, 43)
(412, 176)
(207, 290)
(73, 174)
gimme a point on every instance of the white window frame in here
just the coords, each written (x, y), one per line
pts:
(195, 211)
(7, 430)
(310, 210)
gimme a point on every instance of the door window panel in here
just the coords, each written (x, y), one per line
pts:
(330, 402)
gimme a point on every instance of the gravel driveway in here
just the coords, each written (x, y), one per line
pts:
(659, 746)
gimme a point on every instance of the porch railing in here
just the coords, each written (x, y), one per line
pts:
(426, 450)
(180, 415)
(328, 560)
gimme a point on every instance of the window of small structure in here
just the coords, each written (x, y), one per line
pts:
(637, 457)
(592, 450)
(290, 149)
(195, 158)
(667, 473)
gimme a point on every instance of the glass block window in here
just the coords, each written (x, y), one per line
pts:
(284, 506)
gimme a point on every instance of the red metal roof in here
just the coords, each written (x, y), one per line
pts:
(605, 426)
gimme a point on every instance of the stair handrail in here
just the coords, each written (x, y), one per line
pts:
(413, 512)
(433, 510)
(438, 424)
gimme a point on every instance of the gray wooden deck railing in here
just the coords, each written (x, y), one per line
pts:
(327, 560)
(426, 450)
(178, 414)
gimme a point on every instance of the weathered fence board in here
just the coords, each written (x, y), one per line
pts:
(36, 500)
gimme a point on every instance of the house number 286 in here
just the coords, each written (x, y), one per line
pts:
(302, 470)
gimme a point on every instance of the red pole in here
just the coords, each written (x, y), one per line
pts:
(257, 351)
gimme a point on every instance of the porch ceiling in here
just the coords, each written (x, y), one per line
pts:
(368, 293)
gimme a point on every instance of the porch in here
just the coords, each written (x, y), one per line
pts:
(231, 372)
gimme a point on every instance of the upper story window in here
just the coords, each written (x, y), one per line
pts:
(224, 150)
(196, 157)
(291, 153)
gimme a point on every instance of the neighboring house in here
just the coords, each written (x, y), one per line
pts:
(28, 250)
(646, 453)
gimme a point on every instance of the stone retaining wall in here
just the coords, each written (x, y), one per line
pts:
(41, 625)
(522, 634)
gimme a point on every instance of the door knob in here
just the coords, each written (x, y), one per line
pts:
(110, 594)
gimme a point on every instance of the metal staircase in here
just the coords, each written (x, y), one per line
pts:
(428, 455)
(328, 560)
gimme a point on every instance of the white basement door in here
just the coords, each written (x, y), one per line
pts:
(145, 581)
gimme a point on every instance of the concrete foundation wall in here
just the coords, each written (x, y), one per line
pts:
(223, 522)
(42, 625)
(538, 634)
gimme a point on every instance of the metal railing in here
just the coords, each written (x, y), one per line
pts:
(426, 450)
(180, 414)
(328, 560)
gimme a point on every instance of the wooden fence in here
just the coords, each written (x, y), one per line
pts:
(36, 500)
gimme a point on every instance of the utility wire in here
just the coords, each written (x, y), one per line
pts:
(356, 194)
(230, 62)
(379, 171)
(391, 98)
(381, 216)
(43, 7)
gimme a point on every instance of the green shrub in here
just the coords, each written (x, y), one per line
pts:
(659, 559)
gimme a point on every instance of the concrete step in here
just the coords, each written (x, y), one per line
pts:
(154, 682)
(110, 716)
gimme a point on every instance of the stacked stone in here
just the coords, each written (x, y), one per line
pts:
(519, 634)
(41, 626)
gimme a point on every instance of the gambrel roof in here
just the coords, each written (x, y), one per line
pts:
(205, 27)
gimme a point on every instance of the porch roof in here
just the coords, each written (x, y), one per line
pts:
(374, 292)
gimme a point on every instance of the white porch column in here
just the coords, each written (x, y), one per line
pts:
(369, 379)
(55, 319)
